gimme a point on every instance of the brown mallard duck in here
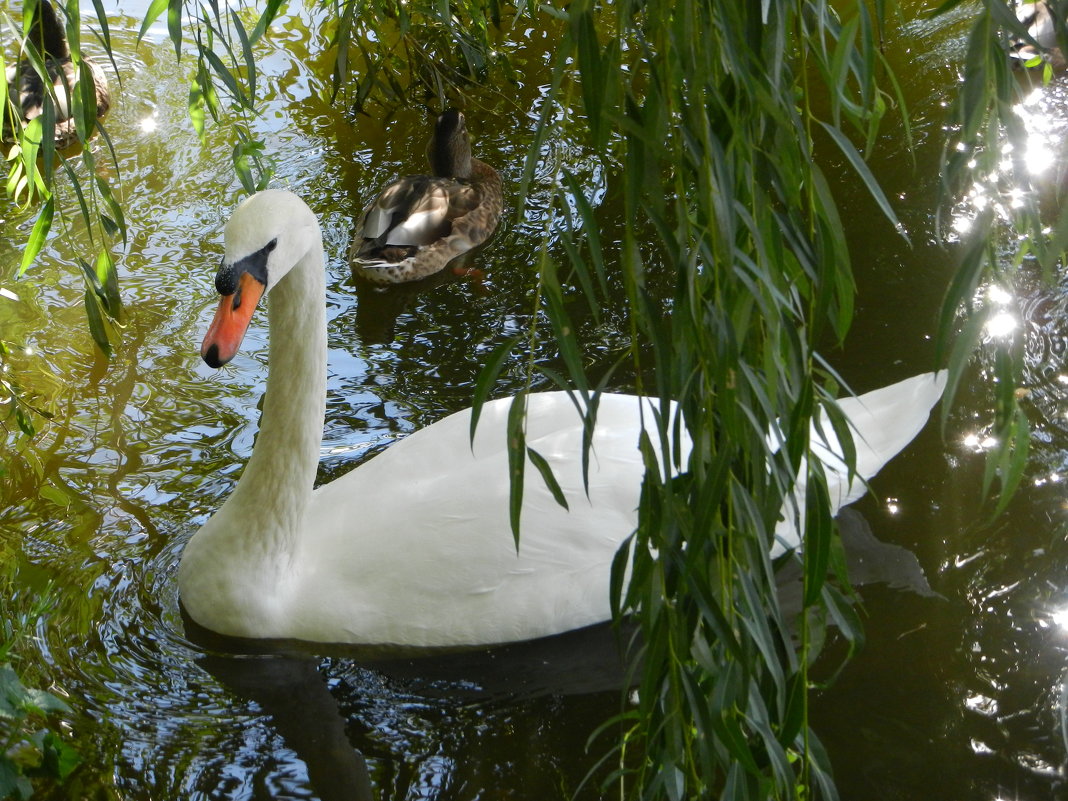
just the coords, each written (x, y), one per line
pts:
(1040, 20)
(27, 91)
(418, 224)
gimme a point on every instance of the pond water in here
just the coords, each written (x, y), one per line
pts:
(954, 697)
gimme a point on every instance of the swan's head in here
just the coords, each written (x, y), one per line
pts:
(267, 235)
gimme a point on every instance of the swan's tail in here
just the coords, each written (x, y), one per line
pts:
(883, 422)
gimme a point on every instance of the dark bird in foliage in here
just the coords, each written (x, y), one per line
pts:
(1041, 19)
(28, 93)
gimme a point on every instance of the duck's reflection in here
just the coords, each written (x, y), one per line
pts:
(379, 306)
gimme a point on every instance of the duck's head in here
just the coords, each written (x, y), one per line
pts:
(450, 149)
(265, 237)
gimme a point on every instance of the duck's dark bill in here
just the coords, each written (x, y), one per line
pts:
(231, 321)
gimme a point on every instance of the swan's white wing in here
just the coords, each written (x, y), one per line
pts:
(435, 537)
(434, 562)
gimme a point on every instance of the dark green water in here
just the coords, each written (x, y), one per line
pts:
(953, 697)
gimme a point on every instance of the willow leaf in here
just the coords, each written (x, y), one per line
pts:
(876, 191)
(516, 440)
(97, 328)
(155, 8)
(487, 380)
(38, 235)
(547, 476)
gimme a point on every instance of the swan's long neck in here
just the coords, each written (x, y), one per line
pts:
(266, 509)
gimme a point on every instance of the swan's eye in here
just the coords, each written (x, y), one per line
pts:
(270, 246)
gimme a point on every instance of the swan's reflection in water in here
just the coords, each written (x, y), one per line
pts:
(290, 683)
(290, 689)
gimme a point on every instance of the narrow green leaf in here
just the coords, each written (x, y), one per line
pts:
(487, 379)
(516, 461)
(248, 164)
(1013, 463)
(220, 69)
(174, 26)
(84, 103)
(270, 11)
(620, 567)
(565, 332)
(108, 277)
(589, 227)
(196, 109)
(96, 321)
(865, 174)
(246, 52)
(114, 207)
(819, 530)
(76, 184)
(546, 471)
(102, 22)
(38, 235)
(30, 141)
(48, 141)
(25, 424)
(155, 8)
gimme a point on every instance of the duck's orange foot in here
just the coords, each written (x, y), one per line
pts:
(470, 272)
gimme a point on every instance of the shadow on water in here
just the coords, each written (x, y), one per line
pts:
(291, 683)
(330, 712)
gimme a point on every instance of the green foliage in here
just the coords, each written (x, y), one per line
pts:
(986, 130)
(32, 157)
(19, 408)
(32, 746)
(707, 110)
(28, 751)
(390, 51)
(225, 75)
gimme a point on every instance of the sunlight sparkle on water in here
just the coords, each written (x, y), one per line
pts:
(149, 124)
(998, 295)
(1039, 153)
(1060, 617)
(1000, 325)
(983, 704)
(1052, 478)
(979, 443)
(1039, 156)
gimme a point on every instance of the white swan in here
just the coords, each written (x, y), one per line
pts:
(414, 546)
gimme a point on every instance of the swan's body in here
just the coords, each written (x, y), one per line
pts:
(420, 223)
(414, 546)
(27, 91)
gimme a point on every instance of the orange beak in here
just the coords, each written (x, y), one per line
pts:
(231, 321)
